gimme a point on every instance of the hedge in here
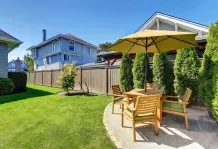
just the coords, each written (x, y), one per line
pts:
(6, 86)
(19, 79)
(161, 71)
(141, 63)
(126, 77)
(186, 71)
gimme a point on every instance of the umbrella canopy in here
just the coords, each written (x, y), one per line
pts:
(154, 41)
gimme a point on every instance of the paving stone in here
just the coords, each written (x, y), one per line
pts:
(172, 134)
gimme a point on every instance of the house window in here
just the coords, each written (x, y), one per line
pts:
(88, 50)
(48, 60)
(54, 45)
(22, 66)
(13, 65)
(72, 46)
(66, 57)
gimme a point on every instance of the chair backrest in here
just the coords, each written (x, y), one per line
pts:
(147, 104)
(155, 88)
(116, 90)
(148, 85)
(187, 95)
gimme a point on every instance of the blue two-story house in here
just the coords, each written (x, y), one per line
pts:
(56, 51)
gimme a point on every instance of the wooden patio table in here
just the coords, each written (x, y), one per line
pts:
(141, 92)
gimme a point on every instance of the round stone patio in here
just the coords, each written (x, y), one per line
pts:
(172, 134)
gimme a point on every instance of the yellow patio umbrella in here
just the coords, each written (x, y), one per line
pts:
(154, 41)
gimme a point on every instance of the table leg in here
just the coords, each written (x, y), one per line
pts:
(159, 113)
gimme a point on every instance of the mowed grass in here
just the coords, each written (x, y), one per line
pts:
(41, 119)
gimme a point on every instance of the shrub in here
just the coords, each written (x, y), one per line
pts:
(209, 71)
(161, 71)
(19, 79)
(206, 80)
(186, 71)
(126, 78)
(139, 70)
(67, 77)
(215, 91)
(149, 71)
(6, 86)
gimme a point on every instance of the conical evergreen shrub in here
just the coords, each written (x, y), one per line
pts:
(161, 71)
(140, 63)
(206, 80)
(186, 71)
(209, 69)
(126, 77)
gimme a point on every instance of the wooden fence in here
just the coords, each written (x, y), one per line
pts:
(96, 79)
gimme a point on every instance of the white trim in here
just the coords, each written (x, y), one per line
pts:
(173, 20)
(54, 49)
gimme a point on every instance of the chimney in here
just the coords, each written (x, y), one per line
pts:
(43, 35)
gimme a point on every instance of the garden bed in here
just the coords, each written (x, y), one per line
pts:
(72, 92)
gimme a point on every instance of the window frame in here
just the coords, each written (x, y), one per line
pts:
(67, 57)
(88, 50)
(70, 42)
(54, 46)
(48, 60)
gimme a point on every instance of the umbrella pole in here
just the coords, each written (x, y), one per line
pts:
(146, 48)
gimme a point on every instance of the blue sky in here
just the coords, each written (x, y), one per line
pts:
(95, 21)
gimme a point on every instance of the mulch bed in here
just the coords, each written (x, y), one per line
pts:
(72, 92)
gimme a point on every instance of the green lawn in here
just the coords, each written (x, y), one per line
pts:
(41, 119)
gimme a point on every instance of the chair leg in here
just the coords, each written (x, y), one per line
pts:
(186, 122)
(113, 107)
(133, 130)
(122, 118)
(156, 128)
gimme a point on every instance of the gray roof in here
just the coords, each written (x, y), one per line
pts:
(66, 36)
(10, 40)
(102, 64)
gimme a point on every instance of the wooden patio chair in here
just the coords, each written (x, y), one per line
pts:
(144, 111)
(177, 107)
(117, 95)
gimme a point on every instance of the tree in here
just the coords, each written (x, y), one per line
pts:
(126, 77)
(215, 91)
(30, 62)
(149, 71)
(186, 71)
(67, 77)
(140, 63)
(209, 71)
(105, 45)
(161, 71)
(206, 80)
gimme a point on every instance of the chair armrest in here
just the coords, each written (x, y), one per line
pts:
(172, 101)
(166, 96)
(114, 95)
(128, 106)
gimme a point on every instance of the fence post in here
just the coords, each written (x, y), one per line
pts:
(42, 77)
(35, 77)
(106, 80)
(81, 78)
(51, 77)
